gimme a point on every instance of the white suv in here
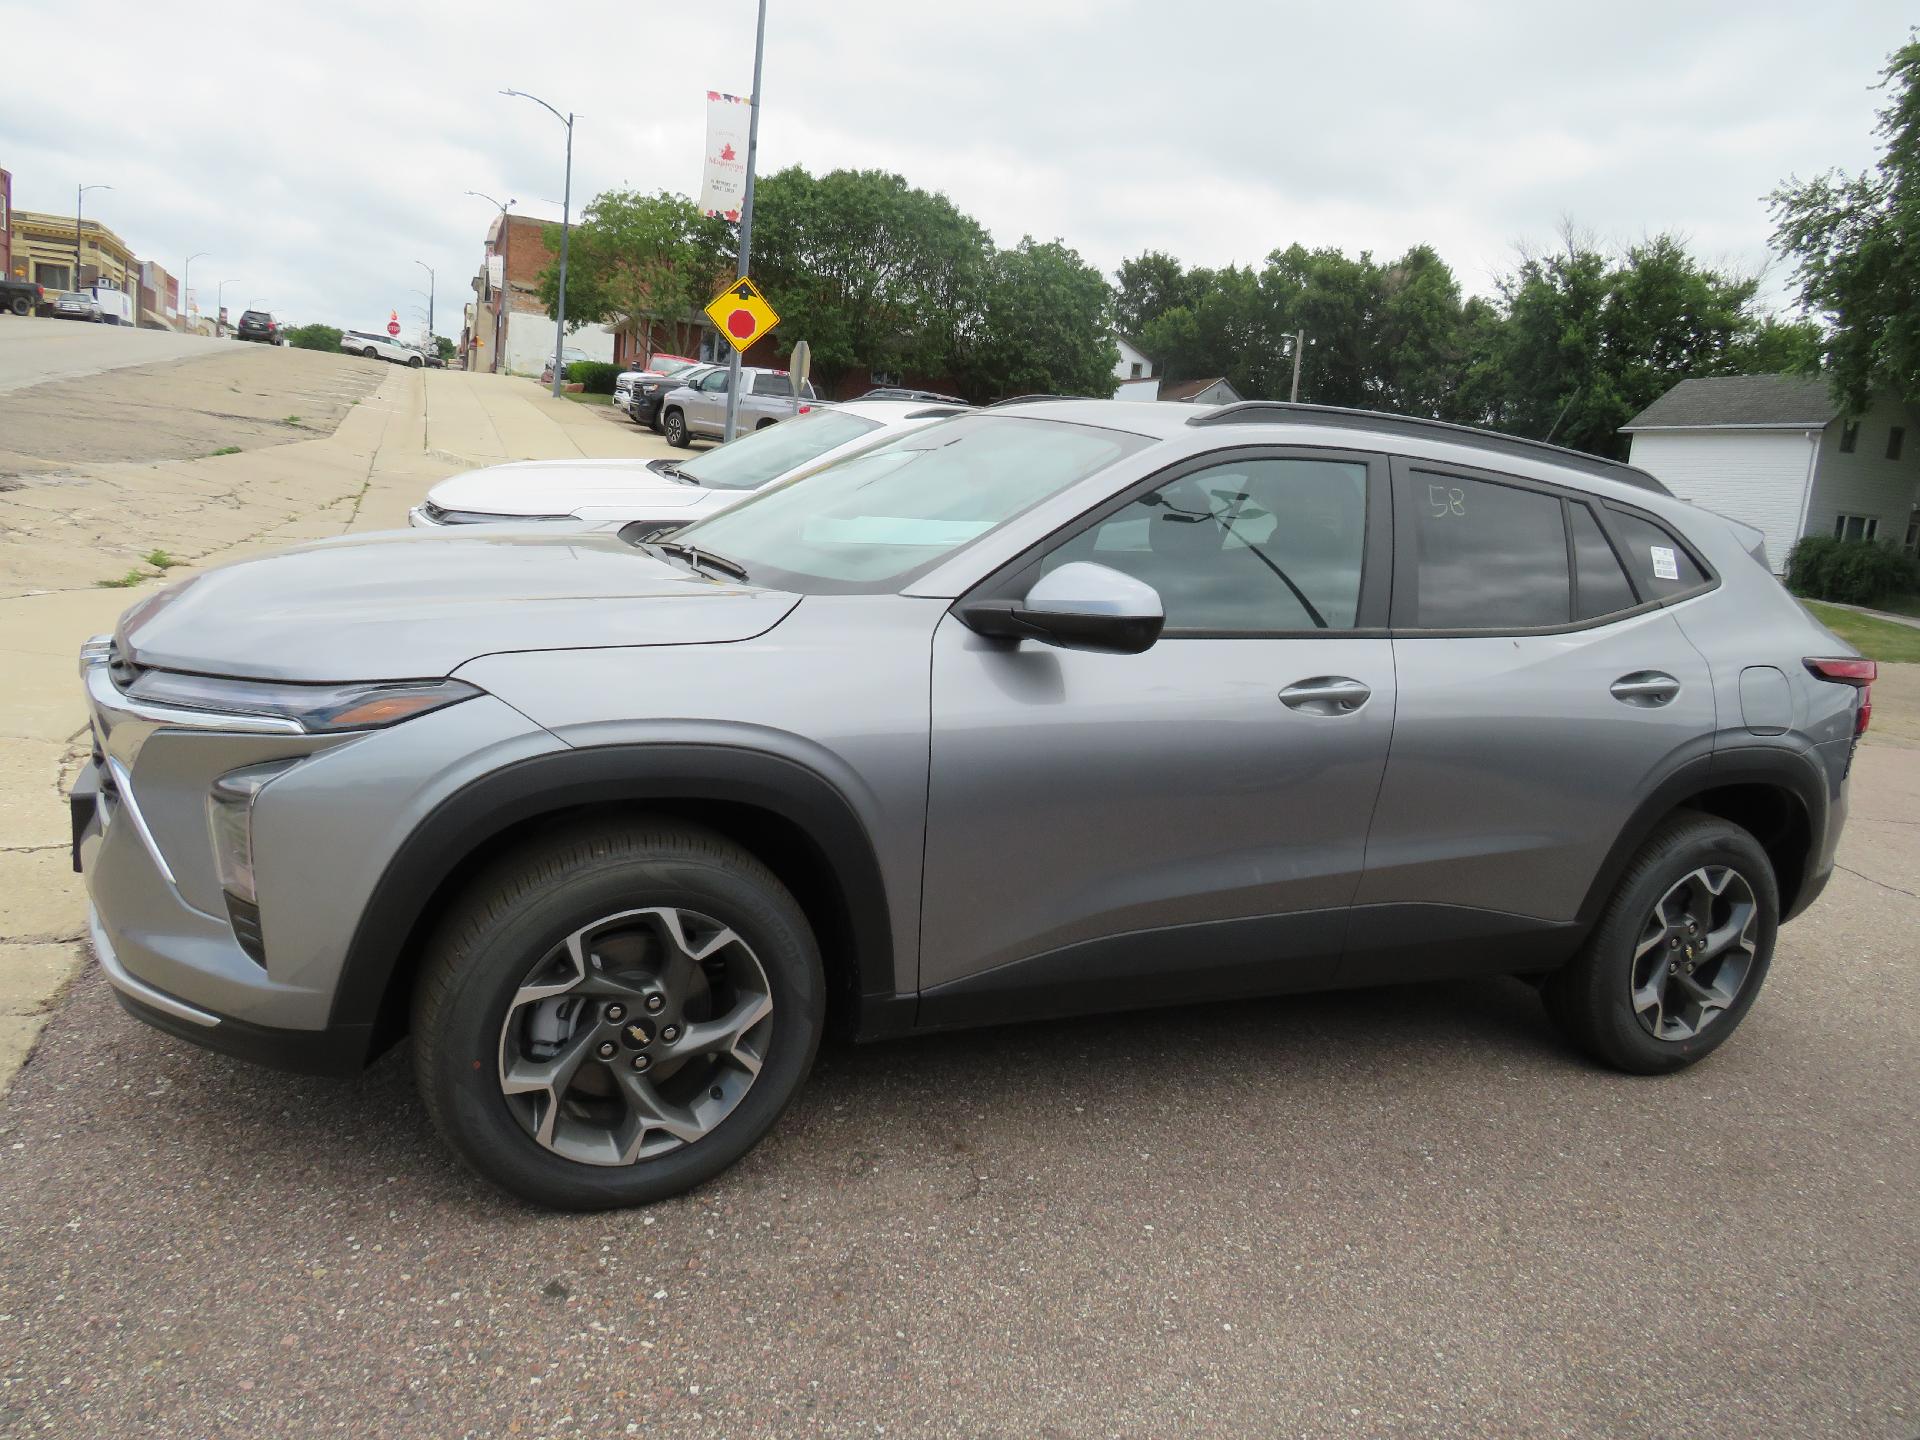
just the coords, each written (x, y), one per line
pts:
(380, 347)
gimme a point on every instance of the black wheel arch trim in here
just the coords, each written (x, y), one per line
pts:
(559, 781)
(1791, 767)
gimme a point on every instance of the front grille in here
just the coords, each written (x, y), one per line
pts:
(246, 928)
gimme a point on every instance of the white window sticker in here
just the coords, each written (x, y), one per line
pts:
(1664, 565)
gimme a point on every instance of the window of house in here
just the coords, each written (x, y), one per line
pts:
(1601, 585)
(1849, 436)
(1483, 556)
(1659, 564)
(1856, 527)
(1896, 437)
(1135, 368)
(1250, 547)
(53, 277)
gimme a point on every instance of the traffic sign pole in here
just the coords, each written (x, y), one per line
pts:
(746, 206)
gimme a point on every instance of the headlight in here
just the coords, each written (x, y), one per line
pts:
(318, 709)
(230, 818)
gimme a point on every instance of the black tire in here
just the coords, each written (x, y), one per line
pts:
(371, 353)
(675, 429)
(765, 423)
(1591, 998)
(21, 305)
(527, 903)
(415, 363)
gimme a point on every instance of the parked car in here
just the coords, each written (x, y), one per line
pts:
(21, 297)
(700, 409)
(380, 347)
(659, 369)
(569, 356)
(643, 402)
(258, 326)
(665, 494)
(1053, 707)
(78, 305)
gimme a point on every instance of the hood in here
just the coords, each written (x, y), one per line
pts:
(562, 487)
(411, 605)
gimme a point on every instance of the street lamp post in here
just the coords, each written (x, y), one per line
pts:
(430, 287)
(566, 225)
(220, 306)
(186, 278)
(499, 301)
(746, 207)
(79, 199)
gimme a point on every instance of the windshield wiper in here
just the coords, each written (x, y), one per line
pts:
(701, 558)
(673, 472)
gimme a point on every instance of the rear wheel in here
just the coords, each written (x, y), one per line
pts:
(616, 1014)
(676, 429)
(21, 305)
(1680, 952)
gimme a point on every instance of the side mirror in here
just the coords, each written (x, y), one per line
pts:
(1079, 606)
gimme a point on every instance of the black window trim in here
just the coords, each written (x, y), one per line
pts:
(1405, 562)
(1014, 578)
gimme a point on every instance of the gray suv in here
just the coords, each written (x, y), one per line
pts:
(1054, 707)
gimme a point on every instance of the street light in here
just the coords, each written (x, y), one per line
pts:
(430, 284)
(499, 303)
(186, 277)
(746, 207)
(79, 197)
(566, 225)
(220, 305)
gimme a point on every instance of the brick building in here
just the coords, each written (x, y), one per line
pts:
(510, 330)
(45, 247)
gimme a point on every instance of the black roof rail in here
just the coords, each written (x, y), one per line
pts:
(934, 411)
(1024, 399)
(1282, 412)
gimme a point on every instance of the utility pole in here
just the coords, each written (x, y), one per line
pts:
(566, 226)
(1299, 344)
(186, 280)
(746, 208)
(79, 198)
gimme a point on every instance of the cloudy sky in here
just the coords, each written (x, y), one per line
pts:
(317, 150)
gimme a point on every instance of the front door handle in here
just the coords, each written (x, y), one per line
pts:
(1645, 688)
(1326, 695)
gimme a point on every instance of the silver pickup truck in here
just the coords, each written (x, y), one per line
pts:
(766, 396)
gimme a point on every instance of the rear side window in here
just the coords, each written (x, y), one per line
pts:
(1658, 563)
(772, 385)
(1483, 556)
(1600, 583)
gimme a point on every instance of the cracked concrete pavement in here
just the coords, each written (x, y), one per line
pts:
(100, 470)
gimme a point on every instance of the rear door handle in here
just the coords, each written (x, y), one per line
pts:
(1645, 688)
(1326, 695)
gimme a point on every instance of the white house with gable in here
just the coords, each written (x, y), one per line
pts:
(1775, 452)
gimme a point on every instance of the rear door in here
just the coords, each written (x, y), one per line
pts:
(1108, 830)
(1543, 692)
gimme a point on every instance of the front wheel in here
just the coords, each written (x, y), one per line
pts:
(1679, 954)
(676, 429)
(616, 1014)
(415, 363)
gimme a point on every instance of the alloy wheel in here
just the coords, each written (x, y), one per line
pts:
(636, 1035)
(1695, 952)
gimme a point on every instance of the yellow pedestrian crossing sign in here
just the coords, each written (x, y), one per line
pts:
(741, 313)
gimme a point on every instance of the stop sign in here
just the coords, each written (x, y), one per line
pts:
(393, 327)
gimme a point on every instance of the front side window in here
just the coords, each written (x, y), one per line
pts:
(713, 381)
(870, 522)
(1252, 546)
(762, 455)
(1484, 556)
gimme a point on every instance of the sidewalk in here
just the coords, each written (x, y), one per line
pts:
(416, 428)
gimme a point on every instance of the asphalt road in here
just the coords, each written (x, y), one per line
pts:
(34, 350)
(1397, 1213)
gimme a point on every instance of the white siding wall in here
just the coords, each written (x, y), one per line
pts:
(1756, 476)
(1866, 482)
(1129, 357)
(530, 342)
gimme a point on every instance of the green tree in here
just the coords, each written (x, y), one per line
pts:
(873, 273)
(443, 347)
(1046, 326)
(1780, 347)
(636, 260)
(1147, 287)
(1226, 327)
(1855, 240)
(314, 337)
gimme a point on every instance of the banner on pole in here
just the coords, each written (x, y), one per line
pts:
(723, 185)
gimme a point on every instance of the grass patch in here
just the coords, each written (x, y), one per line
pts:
(583, 397)
(161, 560)
(1885, 640)
(126, 581)
(292, 420)
(224, 450)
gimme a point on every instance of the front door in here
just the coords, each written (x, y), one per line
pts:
(1542, 695)
(706, 408)
(1108, 830)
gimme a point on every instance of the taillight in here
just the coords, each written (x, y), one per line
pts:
(1849, 670)
(803, 410)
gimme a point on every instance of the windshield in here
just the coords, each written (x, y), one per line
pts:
(763, 455)
(871, 521)
(662, 366)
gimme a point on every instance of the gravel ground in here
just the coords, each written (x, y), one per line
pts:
(1397, 1213)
